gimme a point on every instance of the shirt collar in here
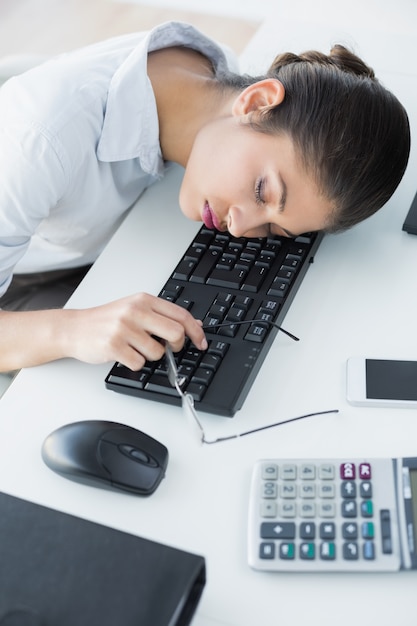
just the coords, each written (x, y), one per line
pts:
(130, 128)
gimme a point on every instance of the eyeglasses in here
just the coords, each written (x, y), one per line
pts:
(187, 401)
(264, 322)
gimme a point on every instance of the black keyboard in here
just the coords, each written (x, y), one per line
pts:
(224, 280)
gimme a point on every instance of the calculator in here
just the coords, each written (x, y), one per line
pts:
(347, 515)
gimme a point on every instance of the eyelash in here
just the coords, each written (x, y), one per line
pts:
(258, 191)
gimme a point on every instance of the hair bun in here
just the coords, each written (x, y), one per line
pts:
(339, 57)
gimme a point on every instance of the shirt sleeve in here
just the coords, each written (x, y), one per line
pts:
(33, 179)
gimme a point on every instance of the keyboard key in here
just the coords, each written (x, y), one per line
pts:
(203, 376)
(184, 269)
(211, 361)
(218, 347)
(278, 288)
(254, 279)
(256, 333)
(230, 330)
(230, 279)
(161, 384)
(202, 271)
(235, 314)
(197, 390)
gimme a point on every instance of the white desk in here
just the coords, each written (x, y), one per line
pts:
(359, 297)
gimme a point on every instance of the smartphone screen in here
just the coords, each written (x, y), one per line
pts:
(392, 380)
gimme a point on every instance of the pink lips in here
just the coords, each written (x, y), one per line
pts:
(209, 218)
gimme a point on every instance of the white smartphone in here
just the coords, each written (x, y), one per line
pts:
(382, 382)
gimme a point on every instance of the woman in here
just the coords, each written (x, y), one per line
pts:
(316, 144)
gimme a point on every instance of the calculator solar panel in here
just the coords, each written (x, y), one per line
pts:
(225, 280)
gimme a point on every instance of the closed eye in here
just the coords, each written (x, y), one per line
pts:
(259, 191)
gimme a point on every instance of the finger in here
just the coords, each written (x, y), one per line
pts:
(191, 327)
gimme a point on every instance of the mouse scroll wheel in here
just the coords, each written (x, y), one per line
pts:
(136, 454)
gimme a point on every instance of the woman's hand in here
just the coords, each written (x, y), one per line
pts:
(124, 330)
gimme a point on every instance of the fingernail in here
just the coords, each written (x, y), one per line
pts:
(204, 344)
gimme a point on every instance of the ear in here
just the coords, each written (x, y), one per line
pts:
(263, 94)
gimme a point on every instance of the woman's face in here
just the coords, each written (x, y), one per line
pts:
(250, 183)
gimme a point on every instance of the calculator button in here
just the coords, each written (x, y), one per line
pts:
(289, 472)
(287, 509)
(286, 550)
(327, 551)
(365, 471)
(307, 509)
(267, 550)
(385, 518)
(307, 530)
(269, 490)
(369, 550)
(386, 546)
(326, 471)
(349, 508)
(287, 490)
(347, 471)
(327, 490)
(350, 551)
(368, 531)
(307, 551)
(272, 530)
(365, 489)
(307, 490)
(327, 509)
(367, 508)
(348, 489)
(350, 530)
(270, 472)
(327, 530)
(308, 472)
(269, 509)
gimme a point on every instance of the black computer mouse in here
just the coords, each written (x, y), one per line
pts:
(106, 454)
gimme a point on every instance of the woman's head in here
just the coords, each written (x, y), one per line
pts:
(350, 133)
(316, 144)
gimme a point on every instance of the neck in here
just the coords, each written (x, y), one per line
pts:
(187, 98)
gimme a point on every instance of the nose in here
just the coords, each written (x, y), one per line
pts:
(242, 223)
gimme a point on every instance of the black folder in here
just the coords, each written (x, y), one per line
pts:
(60, 570)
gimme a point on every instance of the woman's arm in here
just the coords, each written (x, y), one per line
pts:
(122, 330)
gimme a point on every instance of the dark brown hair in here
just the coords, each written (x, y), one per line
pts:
(350, 132)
